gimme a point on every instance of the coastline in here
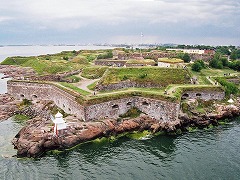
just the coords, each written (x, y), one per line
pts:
(37, 137)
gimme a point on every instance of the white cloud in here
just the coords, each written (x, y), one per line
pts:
(75, 13)
(119, 15)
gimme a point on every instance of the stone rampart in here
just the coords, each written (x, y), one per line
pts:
(116, 63)
(204, 95)
(159, 109)
(39, 91)
(125, 84)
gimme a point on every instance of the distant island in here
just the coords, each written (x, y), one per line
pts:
(110, 93)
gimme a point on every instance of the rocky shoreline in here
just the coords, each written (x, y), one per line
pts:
(37, 137)
(27, 73)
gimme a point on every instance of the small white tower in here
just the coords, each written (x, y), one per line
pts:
(59, 123)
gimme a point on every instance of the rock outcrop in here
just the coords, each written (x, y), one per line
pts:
(27, 73)
(38, 136)
(8, 105)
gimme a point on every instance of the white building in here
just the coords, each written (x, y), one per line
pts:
(189, 51)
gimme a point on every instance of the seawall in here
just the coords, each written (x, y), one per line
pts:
(161, 110)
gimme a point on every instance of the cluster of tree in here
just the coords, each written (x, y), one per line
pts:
(198, 65)
(230, 88)
(106, 55)
(182, 46)
(184, 56)
(220, 62)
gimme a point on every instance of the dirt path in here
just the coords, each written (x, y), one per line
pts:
(84, 82)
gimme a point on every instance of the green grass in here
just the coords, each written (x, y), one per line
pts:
(214, 72)
(76, 89)
(93, 72)
(144, 61)
(133, 92)
(149, 76)
(20, 118)
(92, 86)
(44, 64)
(170, 60)
(73, 79)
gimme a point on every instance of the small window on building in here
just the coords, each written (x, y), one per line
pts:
(22, 95)
(115, 106)
(64, 105)
(69, 109)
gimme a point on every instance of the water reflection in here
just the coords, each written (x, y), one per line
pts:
(8, 129)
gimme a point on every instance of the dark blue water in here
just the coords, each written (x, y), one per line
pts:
(205, 154)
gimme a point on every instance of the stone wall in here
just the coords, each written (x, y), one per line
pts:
(204, 95)
(37, 91)
(110, 109)
(159, 109)
(125, 84)
(106, 62)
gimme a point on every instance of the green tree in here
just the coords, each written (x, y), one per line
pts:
(186, 58)
(224, 61)
(213, 63)
(196, 66)
(233, 55)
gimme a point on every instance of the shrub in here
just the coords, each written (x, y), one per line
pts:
(132, 113)
(65, 58)
(196, 66)
(230, 88)
(186, 58)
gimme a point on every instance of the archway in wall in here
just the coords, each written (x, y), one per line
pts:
(34, 96)
(185, 96)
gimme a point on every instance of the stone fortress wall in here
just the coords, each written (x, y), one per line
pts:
(159, 109)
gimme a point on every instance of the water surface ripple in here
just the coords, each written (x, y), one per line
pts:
(205, 154)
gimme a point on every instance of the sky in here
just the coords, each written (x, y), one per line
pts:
(208, 22)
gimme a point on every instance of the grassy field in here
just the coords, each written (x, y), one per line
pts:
(76, 89)
(170, 60)
(55, 63)
(144, 61)
(208, 72)
(93, 72)
(146, 75)
(44, 64)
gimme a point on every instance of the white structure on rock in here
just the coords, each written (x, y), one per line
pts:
(59, 123)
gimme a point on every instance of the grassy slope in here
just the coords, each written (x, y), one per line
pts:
(146, 75)
(93, 72)
(45, 64)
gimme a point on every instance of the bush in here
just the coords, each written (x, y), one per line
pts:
(106, 55)
(230, 88)
(26, 102)
(65, 58)
(186, 58)
(132, 113)
(196, 66)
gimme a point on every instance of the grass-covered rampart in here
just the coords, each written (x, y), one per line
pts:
(146, 75)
